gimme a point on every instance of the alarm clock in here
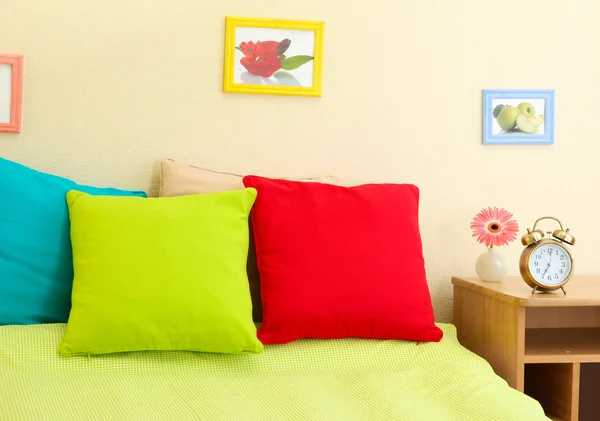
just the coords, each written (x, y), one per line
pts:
(546, 264)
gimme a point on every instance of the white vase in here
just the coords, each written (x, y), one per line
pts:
(491, 266)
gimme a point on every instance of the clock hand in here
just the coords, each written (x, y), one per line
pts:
(547, 267)
(546, 257)
(547, 261)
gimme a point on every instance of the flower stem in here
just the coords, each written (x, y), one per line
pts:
(491, 246)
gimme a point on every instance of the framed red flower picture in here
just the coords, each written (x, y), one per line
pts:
(273, 56)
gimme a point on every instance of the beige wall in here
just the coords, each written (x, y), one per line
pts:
(112, 86)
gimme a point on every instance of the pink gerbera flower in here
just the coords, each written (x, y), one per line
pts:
(493, 227)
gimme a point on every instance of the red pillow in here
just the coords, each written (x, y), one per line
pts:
(340, 262)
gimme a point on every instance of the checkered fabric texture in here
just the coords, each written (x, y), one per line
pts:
(342, 379)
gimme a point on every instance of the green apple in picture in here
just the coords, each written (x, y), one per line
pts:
(497, 110)
(529, 125)
(507, 117)
(526, 109)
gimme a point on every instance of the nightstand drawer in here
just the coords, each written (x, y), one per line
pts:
(554, 317)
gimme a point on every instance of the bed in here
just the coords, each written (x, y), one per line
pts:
(344, 379)
(118, 307)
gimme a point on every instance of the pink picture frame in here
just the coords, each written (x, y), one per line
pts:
(13, 92)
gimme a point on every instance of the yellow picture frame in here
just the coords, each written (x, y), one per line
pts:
(273, 56)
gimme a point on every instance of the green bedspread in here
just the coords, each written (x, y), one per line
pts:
(345, 379)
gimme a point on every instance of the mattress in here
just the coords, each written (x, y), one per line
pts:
(342, 379)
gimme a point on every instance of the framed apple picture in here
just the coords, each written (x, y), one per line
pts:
(518, 116)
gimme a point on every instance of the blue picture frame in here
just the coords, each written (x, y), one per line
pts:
(540, 102)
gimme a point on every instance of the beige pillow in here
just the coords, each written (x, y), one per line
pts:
(179, 179)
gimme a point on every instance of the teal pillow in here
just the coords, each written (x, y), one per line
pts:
(36, 267)
(161, 274)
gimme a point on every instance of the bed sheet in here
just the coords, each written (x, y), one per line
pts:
(342, 379)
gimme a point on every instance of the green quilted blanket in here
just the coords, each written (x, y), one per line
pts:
(344, 379)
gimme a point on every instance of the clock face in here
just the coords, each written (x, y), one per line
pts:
(550, 264)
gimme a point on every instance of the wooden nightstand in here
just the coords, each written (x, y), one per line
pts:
(546, 345)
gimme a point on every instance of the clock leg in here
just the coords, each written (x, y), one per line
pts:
(563, 290)
(534, 290)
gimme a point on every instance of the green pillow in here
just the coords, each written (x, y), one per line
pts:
(160, 274)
